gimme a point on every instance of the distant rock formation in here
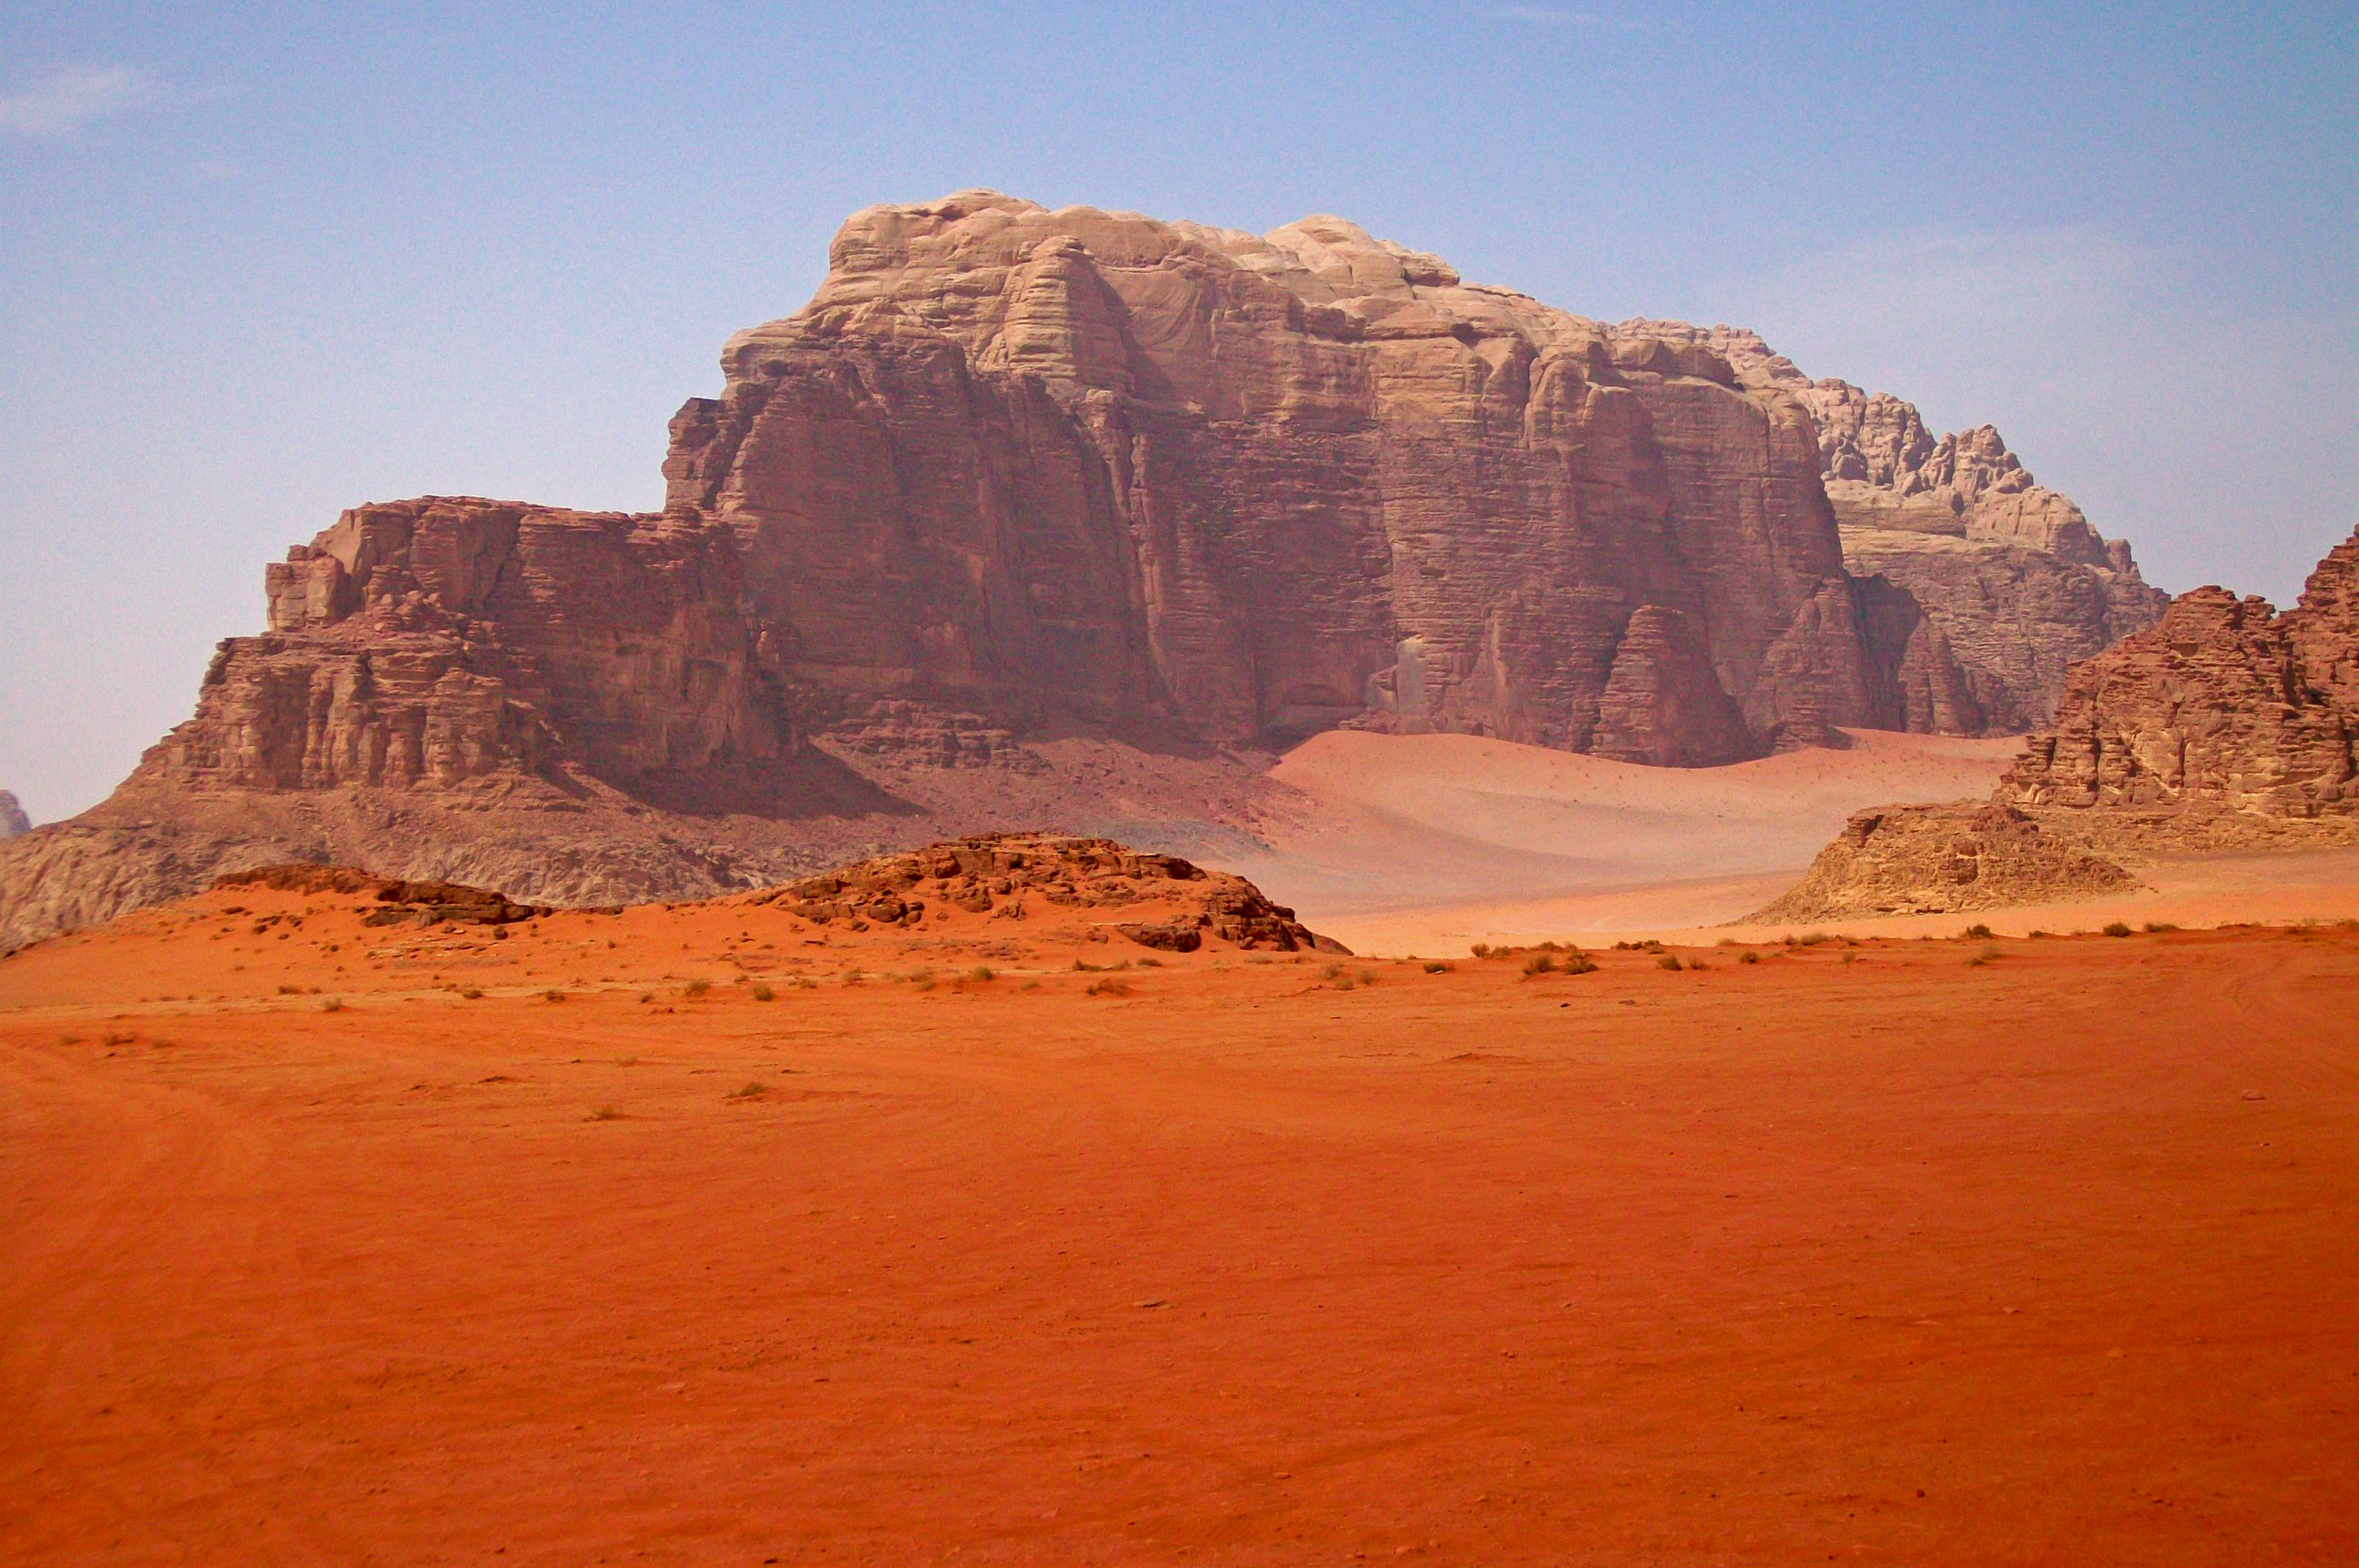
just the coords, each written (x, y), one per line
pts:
(13, 819)
(2225, 719)
(2226, 724)
(2018, 582)
(1064, 519)
(1000, 873)
(1928, 859)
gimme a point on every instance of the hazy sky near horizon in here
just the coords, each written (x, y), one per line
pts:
(262, 264)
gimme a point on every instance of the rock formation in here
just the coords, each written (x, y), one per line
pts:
(1001, 874)
(1060, 518)
(13, 819)
(2010, 571)
(2225, 724)
(2225, 719)
(1920, 859)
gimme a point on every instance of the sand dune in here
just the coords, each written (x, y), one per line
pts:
(1435, 841)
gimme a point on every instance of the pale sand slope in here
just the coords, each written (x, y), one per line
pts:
(1412, 838)
(1431, 843)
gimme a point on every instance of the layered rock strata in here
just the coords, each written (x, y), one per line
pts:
(2020, 584)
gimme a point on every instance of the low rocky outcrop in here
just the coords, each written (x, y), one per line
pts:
(13, 819)
(420, 903)
(1921, 859)
(1009, 876)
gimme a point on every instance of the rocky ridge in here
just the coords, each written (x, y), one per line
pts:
(2224, 725)
(1062, 518)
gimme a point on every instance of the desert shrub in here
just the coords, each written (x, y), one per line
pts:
(290, 990)
(1810, 939)
(1540, 964)
(2157, 927)
(2037, 936)
(1850, 957)
(981, 973)
(1580, 963)
(751, 1089)
(473, 993)
(1748, 957)
(333, 1004)
(762, 993)
(1436, 967)
(1150, 963)
(922, 980)
(1979, 931)
(2115, 928)
(1481, 949)
(605, 1113)
(697, 987)
(1108, 987)
(1669, 962)
(553, 994)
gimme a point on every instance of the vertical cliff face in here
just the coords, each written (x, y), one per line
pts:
(1083, 465)
(2019, 584)
(453, 643)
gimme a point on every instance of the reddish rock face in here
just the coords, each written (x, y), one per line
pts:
(1076, 465)
(435, 644)
(2224, 707)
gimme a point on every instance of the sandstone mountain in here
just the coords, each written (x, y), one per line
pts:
(13, 819)
(1068, 519)
(2225, 724)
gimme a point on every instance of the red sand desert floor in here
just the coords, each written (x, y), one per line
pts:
(1863, 1254)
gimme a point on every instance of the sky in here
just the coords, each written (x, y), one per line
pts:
(258, 264)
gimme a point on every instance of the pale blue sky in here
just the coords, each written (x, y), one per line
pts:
(259, 266)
